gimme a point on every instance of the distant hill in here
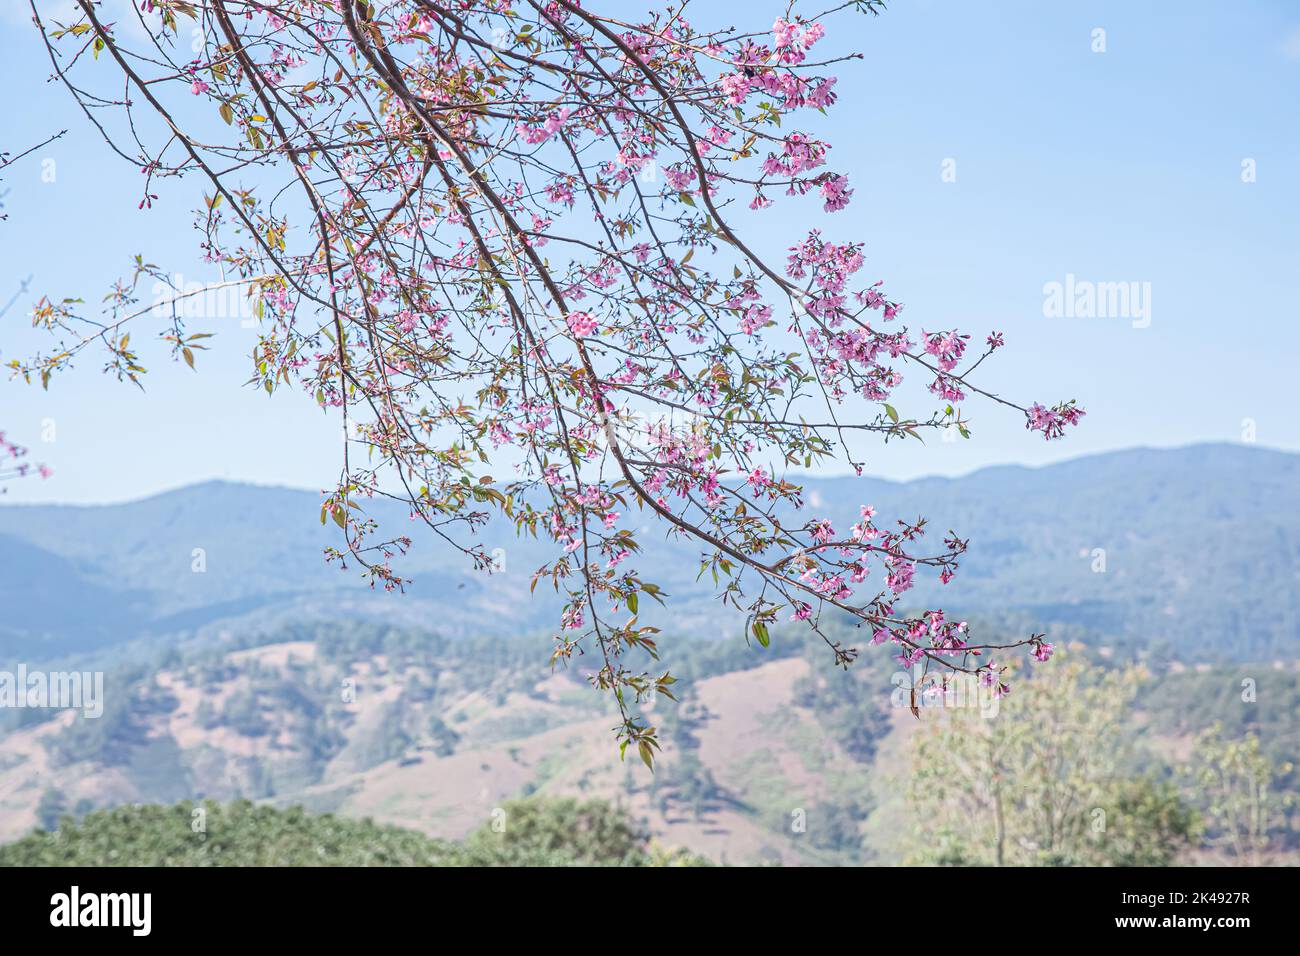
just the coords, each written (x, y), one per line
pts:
(437, 735)
(1201, 554)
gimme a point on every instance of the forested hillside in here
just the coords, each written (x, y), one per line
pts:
(770, 754)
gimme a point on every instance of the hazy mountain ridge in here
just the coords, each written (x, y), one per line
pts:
(1201, 552)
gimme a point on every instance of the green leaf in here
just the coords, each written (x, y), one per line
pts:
(893, 415)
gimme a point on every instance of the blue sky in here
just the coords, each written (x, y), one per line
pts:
(1122, 166)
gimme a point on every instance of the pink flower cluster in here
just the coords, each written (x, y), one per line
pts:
(535, 134)
(836, 192)
(794, 40)
(581, 324)
(799, 153)
(1052, 422)
(947, 347)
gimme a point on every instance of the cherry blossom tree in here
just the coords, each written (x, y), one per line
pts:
(500, 238)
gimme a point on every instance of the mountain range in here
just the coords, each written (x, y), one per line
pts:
(1192, 552)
